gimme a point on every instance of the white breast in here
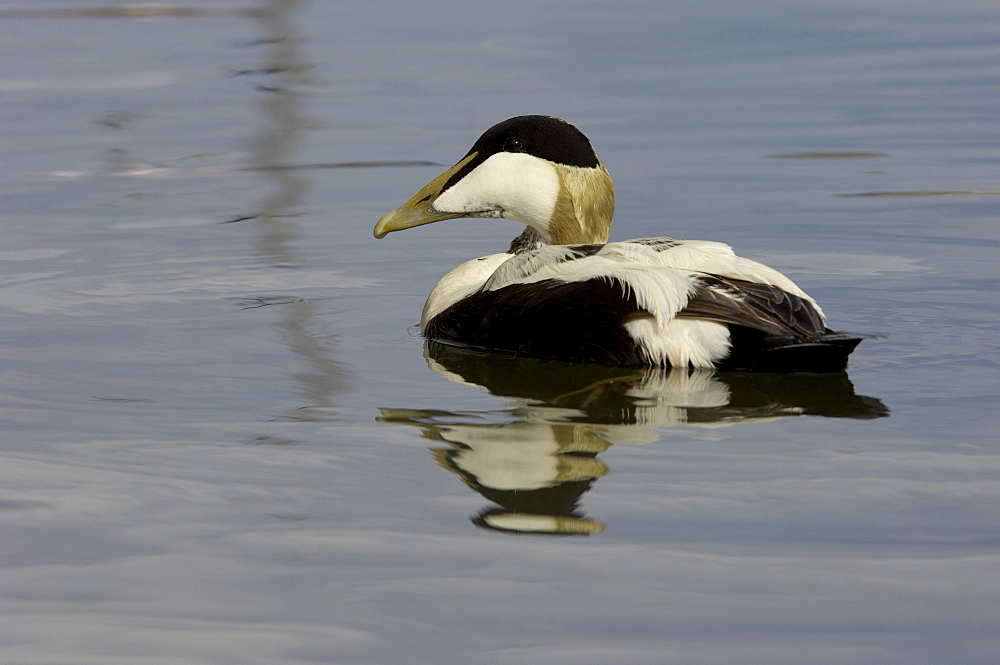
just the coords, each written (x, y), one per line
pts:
(461, 281)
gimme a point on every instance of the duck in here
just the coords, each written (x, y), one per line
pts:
(563, 292)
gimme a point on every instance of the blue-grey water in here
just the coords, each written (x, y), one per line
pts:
(222, 442)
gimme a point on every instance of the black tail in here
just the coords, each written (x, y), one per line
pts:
(754, 351)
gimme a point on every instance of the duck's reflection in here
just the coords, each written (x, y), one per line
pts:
(536, 458)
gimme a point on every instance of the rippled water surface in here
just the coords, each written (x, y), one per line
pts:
(223, 443)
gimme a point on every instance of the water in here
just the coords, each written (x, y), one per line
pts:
(223, 443)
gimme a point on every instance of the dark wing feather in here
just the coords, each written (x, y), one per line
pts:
(660, 244)
(753, 305)
(771, 330)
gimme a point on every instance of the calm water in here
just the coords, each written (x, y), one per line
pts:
(223, 443)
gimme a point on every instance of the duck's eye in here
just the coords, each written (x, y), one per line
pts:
(512, 145)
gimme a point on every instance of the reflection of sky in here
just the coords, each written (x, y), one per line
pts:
(191, 466)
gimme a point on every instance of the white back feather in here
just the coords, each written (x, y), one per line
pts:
(716, 258)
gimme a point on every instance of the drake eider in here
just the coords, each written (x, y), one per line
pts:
(563, 291)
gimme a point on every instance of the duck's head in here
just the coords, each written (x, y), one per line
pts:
(533, 169)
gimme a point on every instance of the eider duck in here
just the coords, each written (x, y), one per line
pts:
(562, 291)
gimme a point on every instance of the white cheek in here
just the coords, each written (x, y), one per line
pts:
(524, 187)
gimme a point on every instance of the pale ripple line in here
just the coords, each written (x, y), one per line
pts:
(78, 294)
(925, 192)
(846, 154)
